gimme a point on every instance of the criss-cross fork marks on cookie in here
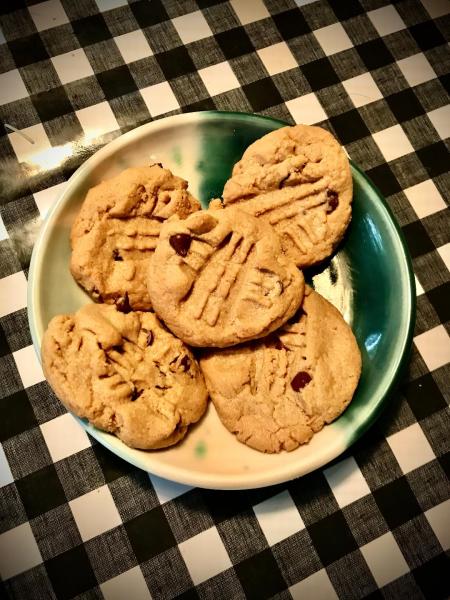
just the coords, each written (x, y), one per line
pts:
(298, 180)
(117, 229)
(277, 392)
(227, 277)
(125, 373)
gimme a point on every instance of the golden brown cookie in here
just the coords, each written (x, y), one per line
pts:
(275, 393)
(298, 180)
(116, 230)
(220, 277)
(125, 373)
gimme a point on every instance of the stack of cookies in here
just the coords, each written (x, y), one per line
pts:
(171, 280)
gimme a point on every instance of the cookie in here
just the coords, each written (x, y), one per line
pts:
(116, 230)
(219, 278)
(275, 393)
(125, 373)
(297, 179)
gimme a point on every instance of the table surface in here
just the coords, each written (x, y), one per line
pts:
(75, 521)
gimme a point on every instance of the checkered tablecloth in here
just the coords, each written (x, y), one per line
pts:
(75, 521)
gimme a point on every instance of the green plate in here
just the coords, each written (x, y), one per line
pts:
(369, 280)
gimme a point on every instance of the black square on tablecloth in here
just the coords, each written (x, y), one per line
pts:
(347, 10)
(17, 415)
(434, 158)
(71, 573)
(376, 595)
(331, 548)
(116, 82)
(384, 179)
(433, 577)
(423, 395)
(175, 62)
(439, 298)
(396, 502)
(28, 50)
(444, 461)
(291, 23)
(147, 14)
(51, 104)
(41, 491)
(234, 42)
(91, 30)
(4, 349)
(262, 94)
(418, 239)
(260, 576)
(189, 594)
(150, 534)
(206, 104)
(405, 105)
(375, 54)
(427, 35)
(320, 74)
(112, 466)
(349, 127)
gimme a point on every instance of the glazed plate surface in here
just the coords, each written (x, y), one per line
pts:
(369, 280)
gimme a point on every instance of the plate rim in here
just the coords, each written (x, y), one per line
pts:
(181, 474)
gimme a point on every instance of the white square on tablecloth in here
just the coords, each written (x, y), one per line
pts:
(167, 490)
(6, 476)
(440, 117)
(362, 89)
(133, 46)
(333, 39)
(250, 11)
(35, 142)
(95, 513)
(12, 87)
(159, 98)
(72, 65)
(419, 288)
(192, 27)
(3, 232)
(439, 519)
(278, 517)
(105, 5)
(434, 347)
(48, 14)
(393, 142)
(444, 252)
(306, 109)
(384, 559)
(46, 198)
(437, 8)
(411, 448)
(97, 120)
(18, 551)
(64, 436)
(277, 58)
(386, 20)
(28, 365)
(130, 584)
(13, 293)
(205, 555)
(425, 198)
(315, 587)
(346, 481)
(219, 78)
(416, 69)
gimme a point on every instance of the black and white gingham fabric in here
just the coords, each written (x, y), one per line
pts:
(77, 522)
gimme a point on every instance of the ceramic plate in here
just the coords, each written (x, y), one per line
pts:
(369, 280)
